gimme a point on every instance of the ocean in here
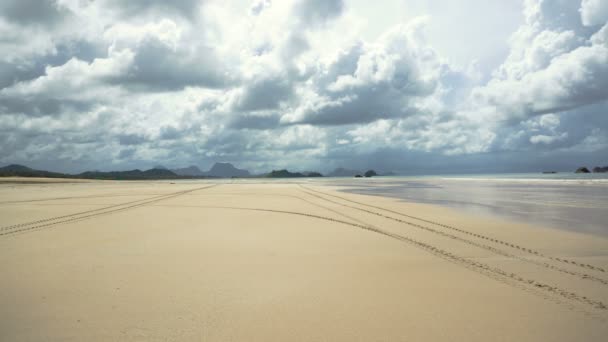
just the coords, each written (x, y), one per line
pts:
(577, 202)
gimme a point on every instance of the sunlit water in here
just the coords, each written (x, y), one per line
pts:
(577, 202)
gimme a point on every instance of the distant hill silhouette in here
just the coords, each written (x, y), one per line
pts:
(286, 174)
(219, 170)
(370, 173)
(16, 170)
(312, 174)
(130, 175)
(342, 172)
(189, 171)
(226, 170)
(600, 169)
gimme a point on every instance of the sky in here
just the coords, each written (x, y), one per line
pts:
(408, 86)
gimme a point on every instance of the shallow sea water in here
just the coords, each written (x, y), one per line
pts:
(577, 202)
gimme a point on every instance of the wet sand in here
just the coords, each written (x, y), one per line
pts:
(579, 205)
(156, 261)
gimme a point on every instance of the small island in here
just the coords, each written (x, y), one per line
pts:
(370, 173)
(286, 174)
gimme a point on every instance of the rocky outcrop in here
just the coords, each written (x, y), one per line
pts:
(582, 170)
(370, 173)
(599, 169)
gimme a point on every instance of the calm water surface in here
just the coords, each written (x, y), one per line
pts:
(577, 202)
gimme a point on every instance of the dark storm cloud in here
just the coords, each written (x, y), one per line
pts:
(185, 8)
(315, 12)
(253, 121)
(17, 71)
(126, 153)
(11, 73)
(158, 67)
(40, 106)
(170, 133)
(265, 93)
(131, 139)
(32, 12)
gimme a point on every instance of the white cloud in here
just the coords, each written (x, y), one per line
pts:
(547, 139)
(187, 82)
(367, 82)
(555, 65)
(594, 12)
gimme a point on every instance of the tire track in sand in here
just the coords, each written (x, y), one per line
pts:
(493, 272)
(492, 249)
(22, 227)
(67, 198)
(466, 232)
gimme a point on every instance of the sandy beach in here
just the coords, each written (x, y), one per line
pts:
(280, 261)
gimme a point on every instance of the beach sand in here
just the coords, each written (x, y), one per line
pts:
(168, 261)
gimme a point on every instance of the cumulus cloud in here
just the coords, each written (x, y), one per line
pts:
(594, 12)
(554, 65)
(123, 84)
(368, 82)
(162, 59)
(75, 84)
(315, 12)
(33, 12)
(185, 8)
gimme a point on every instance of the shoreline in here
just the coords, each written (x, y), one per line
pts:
(284, 261)
(569, 205)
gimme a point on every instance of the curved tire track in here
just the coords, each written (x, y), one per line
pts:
(22, 227)
(466, 232)
(66, 198)
(473, 243)
(491, 271)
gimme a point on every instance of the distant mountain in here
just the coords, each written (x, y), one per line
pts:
(226, 170)
(286, 174)
(342, 172)
(130, 175)
(193, 171)
(16, 170)
(218, 170)
(370, 173)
